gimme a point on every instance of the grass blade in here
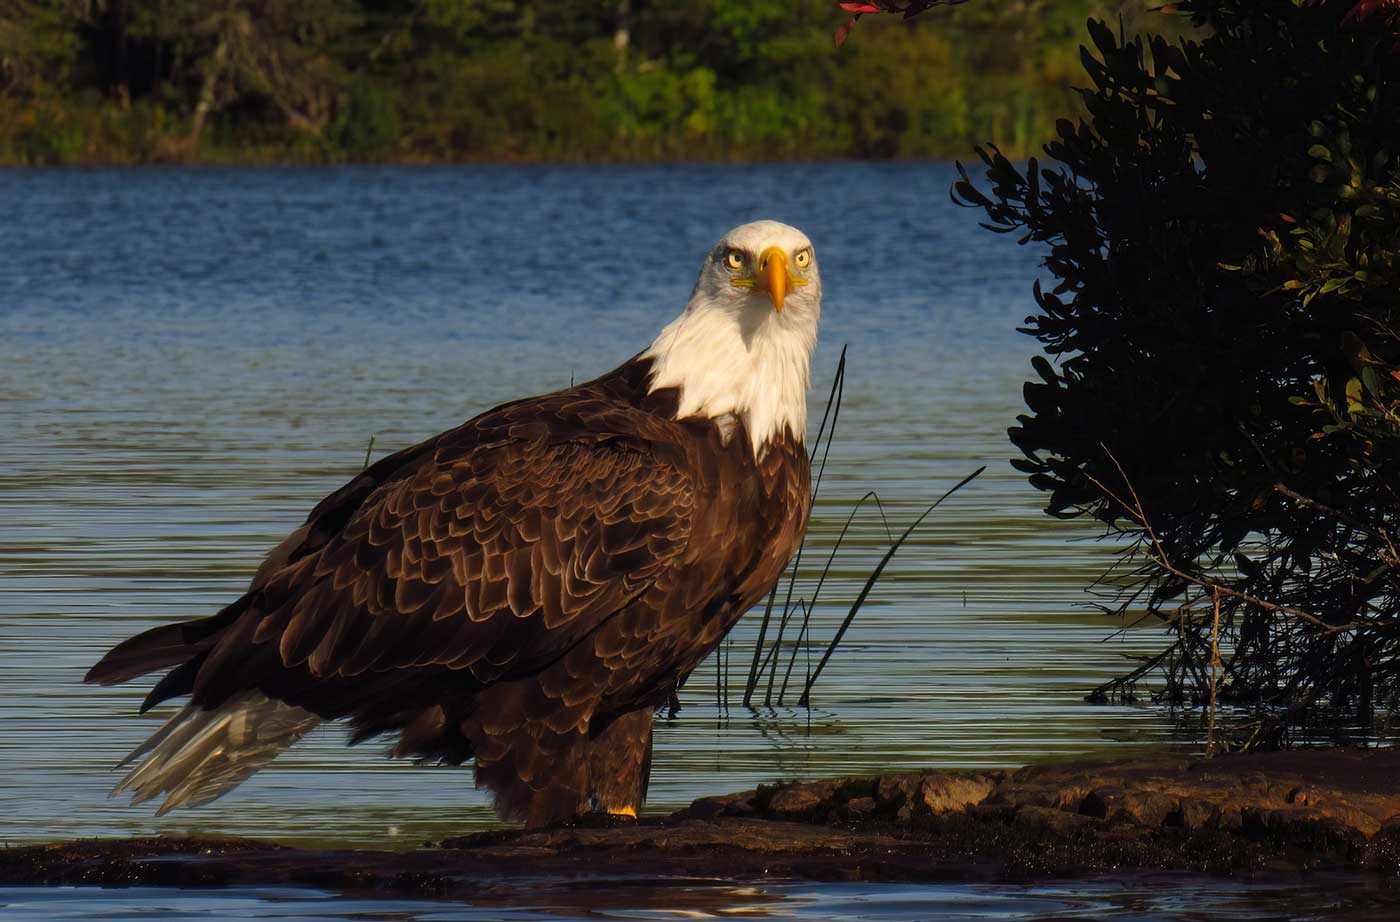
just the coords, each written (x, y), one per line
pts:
(821, 581)
(831, 413)
(805, 700)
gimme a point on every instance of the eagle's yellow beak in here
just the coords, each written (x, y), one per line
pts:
(774, 276)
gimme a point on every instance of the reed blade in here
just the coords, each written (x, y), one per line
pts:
(870, 581)
(822, 443)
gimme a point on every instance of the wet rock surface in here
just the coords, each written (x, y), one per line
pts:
(1242, 814)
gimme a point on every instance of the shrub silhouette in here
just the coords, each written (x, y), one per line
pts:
(1223, 228)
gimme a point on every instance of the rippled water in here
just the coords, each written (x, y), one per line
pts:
(1161, 898)
(189, 359)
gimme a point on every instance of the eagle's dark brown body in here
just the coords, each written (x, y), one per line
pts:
(522, 590)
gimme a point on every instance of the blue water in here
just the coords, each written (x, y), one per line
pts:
(189, 359)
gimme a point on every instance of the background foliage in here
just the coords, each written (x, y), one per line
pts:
(1225, 323)
(443, 80)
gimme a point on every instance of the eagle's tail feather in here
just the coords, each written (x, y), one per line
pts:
(148, 651)
(199, 755)
(163, 646)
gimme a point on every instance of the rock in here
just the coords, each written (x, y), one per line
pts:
(1150, 808)
(861, 806)
(1288, 810)
(796, 799)
(1320, 835)
(1049, 819)
(946, 792)
(1195, 814)
(1101, 802)
(1144, 808)
(741, 804)
(894, 792)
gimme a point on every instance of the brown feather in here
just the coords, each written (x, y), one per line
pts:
(522, 589)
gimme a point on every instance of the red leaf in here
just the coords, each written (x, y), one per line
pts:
(857, 8)
(1365, 9)
(844, 32)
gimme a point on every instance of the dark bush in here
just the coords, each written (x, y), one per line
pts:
(1223, 228)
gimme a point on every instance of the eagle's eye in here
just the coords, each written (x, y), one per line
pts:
(734, 259)
(802, 259)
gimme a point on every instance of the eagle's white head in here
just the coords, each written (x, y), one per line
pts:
(743, 344)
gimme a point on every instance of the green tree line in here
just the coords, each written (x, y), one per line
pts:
(324, 81)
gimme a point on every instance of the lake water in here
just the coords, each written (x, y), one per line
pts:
(189, 359)
(1154, 898)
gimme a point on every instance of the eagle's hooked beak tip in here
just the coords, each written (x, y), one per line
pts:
(774, 276)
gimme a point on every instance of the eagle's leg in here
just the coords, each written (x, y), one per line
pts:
(548, 763)
(538, 777)
(531, 752)
(619, 763)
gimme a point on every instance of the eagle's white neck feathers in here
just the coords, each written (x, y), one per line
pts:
(762, 382)
(730, 352)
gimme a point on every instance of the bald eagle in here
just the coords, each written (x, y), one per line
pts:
(524, 590)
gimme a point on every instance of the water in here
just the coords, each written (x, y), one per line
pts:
(189, 359)
(1157, 898)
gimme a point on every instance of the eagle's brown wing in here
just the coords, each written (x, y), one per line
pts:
(488, 552)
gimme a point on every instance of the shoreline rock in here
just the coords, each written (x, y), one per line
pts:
(1249, 815)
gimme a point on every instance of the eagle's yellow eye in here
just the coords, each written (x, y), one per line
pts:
(802, 259)
(734, 259)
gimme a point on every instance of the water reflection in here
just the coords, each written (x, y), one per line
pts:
(1159, 898)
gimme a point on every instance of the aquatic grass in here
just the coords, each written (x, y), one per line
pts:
(872, 579)
(822, 444)
(766, 656)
